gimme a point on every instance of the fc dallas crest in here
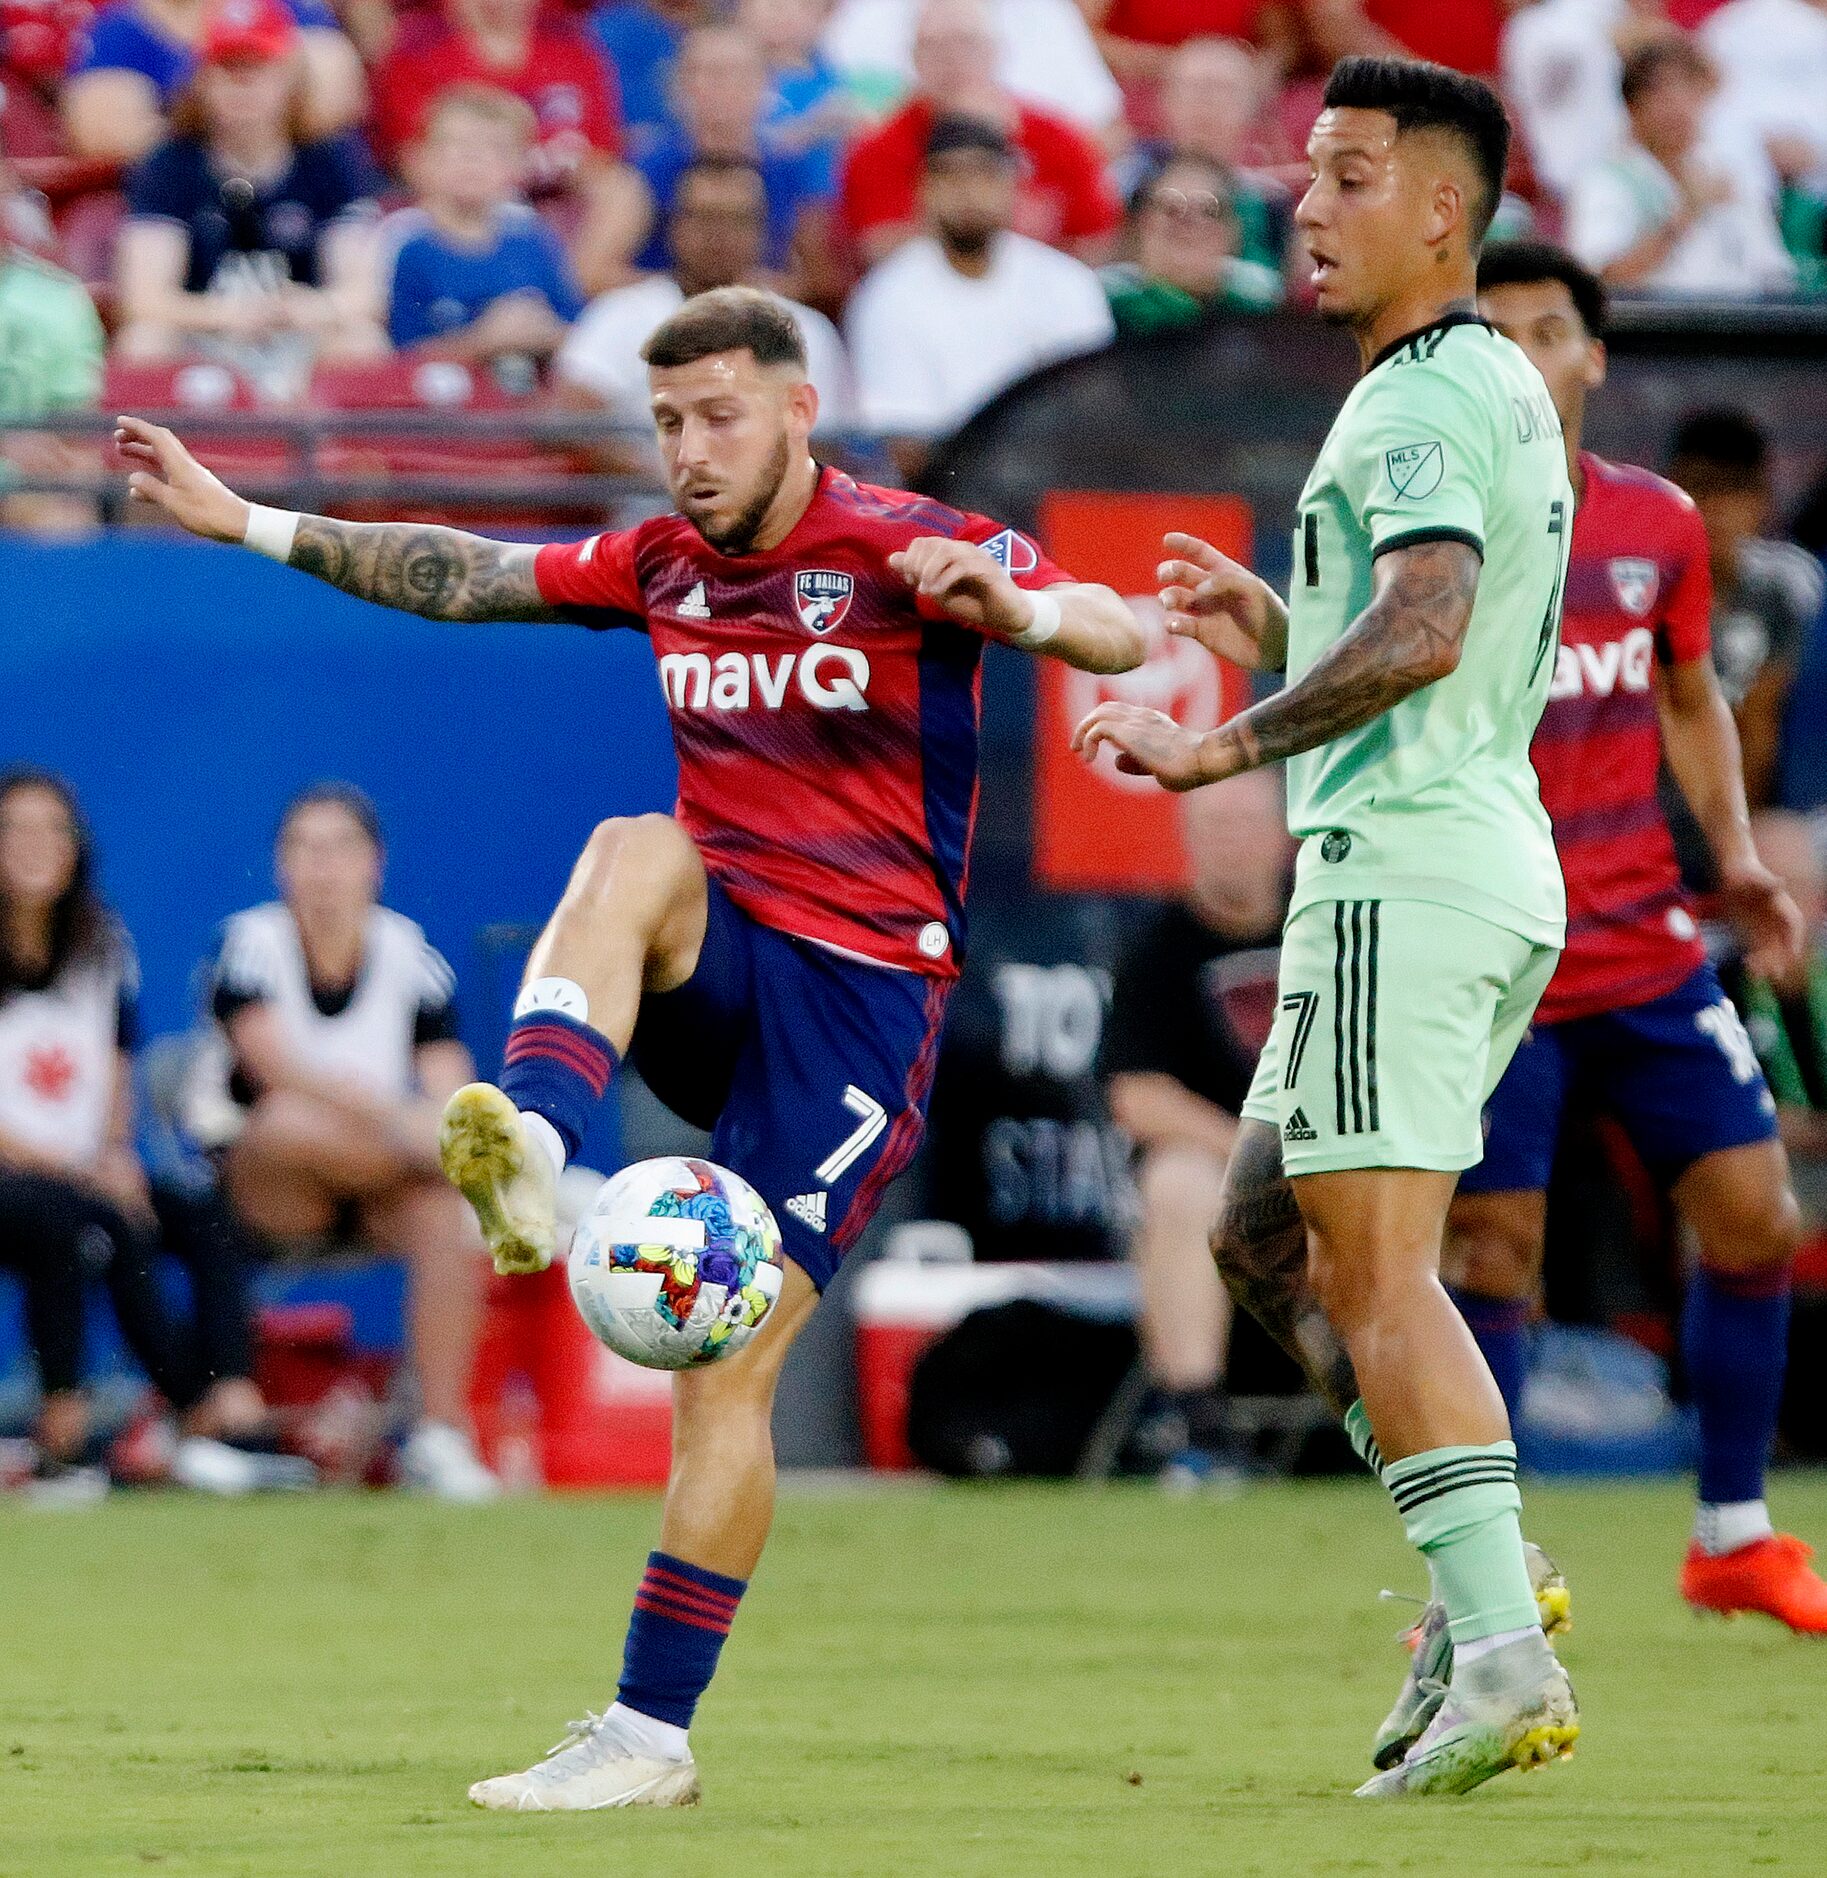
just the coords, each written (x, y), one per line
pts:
(1635, 583)
(821, 598)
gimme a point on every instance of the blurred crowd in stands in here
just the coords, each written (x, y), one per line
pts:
(953, 191)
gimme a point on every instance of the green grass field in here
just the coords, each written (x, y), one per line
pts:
(994, 1682)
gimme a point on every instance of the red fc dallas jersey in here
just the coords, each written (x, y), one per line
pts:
(826, 719)
(1638, 594)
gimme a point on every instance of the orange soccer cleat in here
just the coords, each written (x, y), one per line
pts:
(1769, 1575)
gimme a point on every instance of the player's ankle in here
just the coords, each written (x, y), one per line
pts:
(663, 1740)
(1721, 1527)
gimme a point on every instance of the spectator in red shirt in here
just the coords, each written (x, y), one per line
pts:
(1065, 197)
(1136, 36)
(506, 44)
(1461, 33)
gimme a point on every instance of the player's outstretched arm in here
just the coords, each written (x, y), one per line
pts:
(440, 573)
(1410, 636)
(1079, 622)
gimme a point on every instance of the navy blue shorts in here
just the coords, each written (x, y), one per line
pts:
(812, 1072)
(1678, 1073)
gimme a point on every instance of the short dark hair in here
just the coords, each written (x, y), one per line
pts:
(1528, 263)
(1423, 96)
(957, 130)
(1673, 52)
(1727, 447)
(355, 803)
(728, 319)
(709, 165)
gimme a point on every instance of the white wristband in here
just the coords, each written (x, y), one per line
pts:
(1044, 624)
(270, 532)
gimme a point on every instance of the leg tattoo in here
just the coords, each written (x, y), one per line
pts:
(1260, 1245)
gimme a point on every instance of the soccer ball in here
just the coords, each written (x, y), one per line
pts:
(676, 1264)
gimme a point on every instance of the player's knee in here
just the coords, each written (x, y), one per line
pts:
(1761, 1234)
(1178, 1187)
(632, 860)
(1493, 1263)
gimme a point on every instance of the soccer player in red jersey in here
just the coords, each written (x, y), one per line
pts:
(787, 938)
(1634, 1014)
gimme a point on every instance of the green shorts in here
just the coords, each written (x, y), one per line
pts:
(1395, 1020)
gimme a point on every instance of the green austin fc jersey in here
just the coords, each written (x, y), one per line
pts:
(1449, 436)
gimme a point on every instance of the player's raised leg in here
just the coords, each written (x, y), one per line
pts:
(631, 921)
(719, 1507)
(1734, 1346)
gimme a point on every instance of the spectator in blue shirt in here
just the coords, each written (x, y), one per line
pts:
(810, 106)
(720, 98)
(473, 271)
(641, 39)
(141, 53)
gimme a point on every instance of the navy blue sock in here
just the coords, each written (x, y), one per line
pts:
(558, 1068)
(1734, 1345)
(682, 1613)
(1501, 1327)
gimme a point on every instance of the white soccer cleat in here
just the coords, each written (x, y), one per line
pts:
(442, 1461)
(508, 1179)
(599, 1763)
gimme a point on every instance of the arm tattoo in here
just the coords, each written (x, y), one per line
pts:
(439, 573)
(1408, 637)
(1260, 1245)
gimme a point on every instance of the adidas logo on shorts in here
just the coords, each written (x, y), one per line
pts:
(808, 1209)
(1298, 1128)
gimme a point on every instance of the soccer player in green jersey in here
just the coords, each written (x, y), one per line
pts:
(1428, 912)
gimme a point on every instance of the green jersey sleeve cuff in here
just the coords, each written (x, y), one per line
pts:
(1416, 537)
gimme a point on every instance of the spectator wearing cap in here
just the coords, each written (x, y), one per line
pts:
(715, 237)
(1766, 594)
(471, 271)
(140, 55)
(955, 315)
(720, 100)
(52, 344)
(1186, 265)
(244, 238)
(1662, 216)
(1062, 193)
(572, 172)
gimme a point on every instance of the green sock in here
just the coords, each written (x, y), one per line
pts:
(1364, 1443)
(1462, 1512)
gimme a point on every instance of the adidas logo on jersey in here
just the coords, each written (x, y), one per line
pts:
(1298, 1128)
(808, 1209)
(694, 605)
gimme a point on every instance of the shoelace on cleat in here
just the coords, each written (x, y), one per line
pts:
(586, 1744)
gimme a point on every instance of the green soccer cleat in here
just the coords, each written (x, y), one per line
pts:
(1511, 1708)
(1430, 1668)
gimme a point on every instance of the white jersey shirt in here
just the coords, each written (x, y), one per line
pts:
(932, 346)
(403, 997)
(59, 1048)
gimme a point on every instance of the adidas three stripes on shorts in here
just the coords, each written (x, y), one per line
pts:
(1394, 1020)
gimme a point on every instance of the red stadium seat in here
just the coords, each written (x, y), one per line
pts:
(425, 384)
(179, 389)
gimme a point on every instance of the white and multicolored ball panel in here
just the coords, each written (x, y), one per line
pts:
(676, 1264)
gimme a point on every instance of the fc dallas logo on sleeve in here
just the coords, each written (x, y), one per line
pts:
(1635, 583)
(821, 598)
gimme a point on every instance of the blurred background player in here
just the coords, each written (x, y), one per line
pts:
(1191, 1007)
(1427, 910)
(339, 1048)
(787, 939)
(1635, 1014)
